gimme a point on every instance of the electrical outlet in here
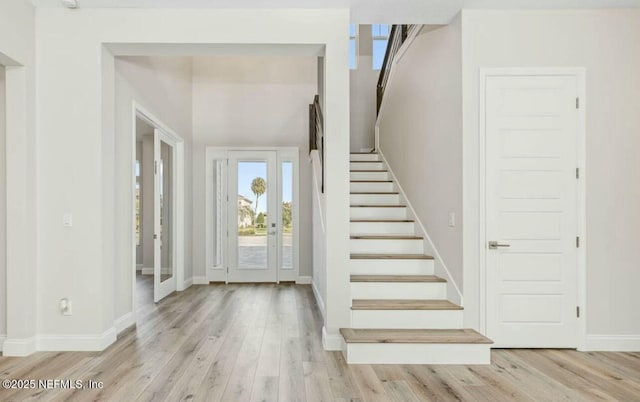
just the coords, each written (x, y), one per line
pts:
(66, 307)
(452, 219)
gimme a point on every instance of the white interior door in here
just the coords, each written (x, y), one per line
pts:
(252, 216)
(164, 262)
(531, 210)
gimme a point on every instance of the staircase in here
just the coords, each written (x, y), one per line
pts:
(399, 309)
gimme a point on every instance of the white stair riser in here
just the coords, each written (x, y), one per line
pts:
(376, 199)
(399, 290)
(378, 213)
(365, 157)
(367, 166)
(386, 246)
(392, 267)
(382, 228)
(369, 187)
(416, 353)
(407, 319)
(370, 175)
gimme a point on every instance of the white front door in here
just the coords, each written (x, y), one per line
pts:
(164, 261)
(531, 210)
(252, 214)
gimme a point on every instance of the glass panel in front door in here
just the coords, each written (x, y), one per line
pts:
(252, 207)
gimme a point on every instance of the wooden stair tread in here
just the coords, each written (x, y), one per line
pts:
(385, 237)
(391, 257)
(382, 221)
(396, 278)
(363, 153)
(377, 206)
(369, 171)
(403, 304)
(365, 161)
(354, 335)
(371, 181)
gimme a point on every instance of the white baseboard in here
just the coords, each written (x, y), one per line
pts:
(200, 280)
(138, 267)
(611, 343)
(124, 322)
(187, 283)
(3, 338)
(147, 271)
(76, 343)
(319, 300)
(19, 347)
(303, 280)
(331, 342)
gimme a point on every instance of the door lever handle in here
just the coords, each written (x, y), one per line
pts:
(494, 245)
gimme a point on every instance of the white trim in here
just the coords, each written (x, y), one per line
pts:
(124, 322)
(319, 300)
(3, 338)
(76, 343)
(200, 280)
(19, 347)
(453, 291)
(331, 342)
(611, 343)
(303, 280)
(146, 271)
(187, 283)
(580, 74)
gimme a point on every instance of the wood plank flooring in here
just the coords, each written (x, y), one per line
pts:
(262, 343)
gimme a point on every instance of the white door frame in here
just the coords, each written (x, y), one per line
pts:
(139, 111)
(580, 74)
(219, 272)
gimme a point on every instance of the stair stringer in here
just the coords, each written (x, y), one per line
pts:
(453, 291)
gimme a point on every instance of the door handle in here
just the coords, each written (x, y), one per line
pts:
(494, 245)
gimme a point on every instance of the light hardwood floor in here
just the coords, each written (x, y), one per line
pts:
(262, 343)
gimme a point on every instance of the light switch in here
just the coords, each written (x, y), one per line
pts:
(67, 220)
(452, 219)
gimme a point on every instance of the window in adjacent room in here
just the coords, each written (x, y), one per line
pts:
(353, 46)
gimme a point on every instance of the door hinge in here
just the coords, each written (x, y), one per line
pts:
(155, 167)
(577, 173)
(577, 241)
(578, 311)
(577, 103)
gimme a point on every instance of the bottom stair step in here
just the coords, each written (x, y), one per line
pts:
(356, 335)
(415, 346)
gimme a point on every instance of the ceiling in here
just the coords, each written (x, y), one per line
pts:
(363, 11)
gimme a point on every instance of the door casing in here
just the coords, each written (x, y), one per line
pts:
(580, 74)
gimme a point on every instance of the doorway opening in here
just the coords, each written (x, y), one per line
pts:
(158, 170)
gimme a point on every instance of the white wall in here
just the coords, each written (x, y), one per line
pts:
(363, 87)
(606, 43)
(420, 134)
(17, 52)
(3, 212)
(76, 262)
(252, 101)
(162, 85)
